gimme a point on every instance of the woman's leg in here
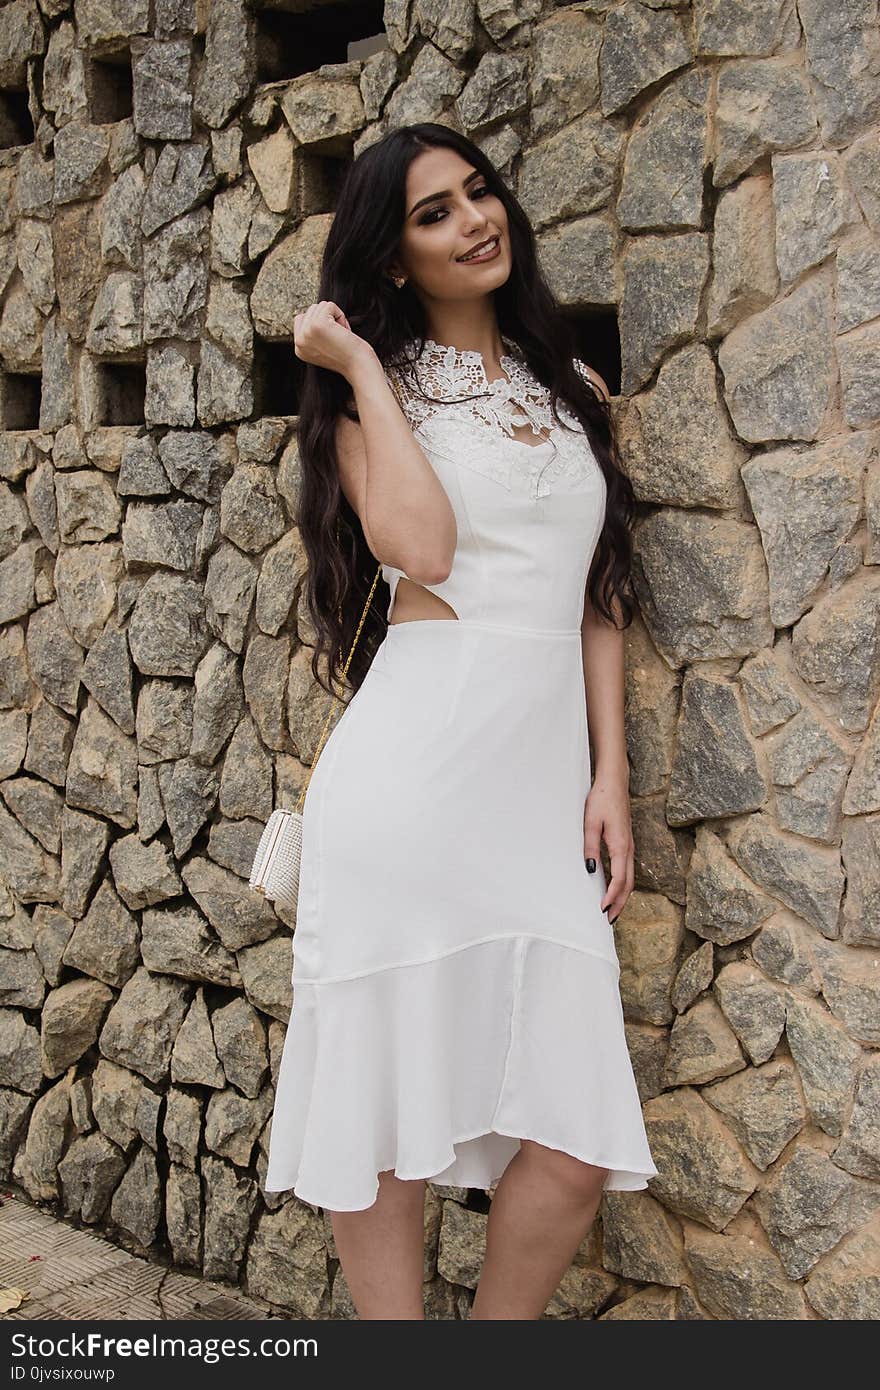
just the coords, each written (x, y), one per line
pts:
(543, 1206)
(382, 1250)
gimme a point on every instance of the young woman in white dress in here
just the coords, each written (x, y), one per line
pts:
(456, 1011)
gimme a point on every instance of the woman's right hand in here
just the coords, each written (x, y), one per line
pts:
(323, 336)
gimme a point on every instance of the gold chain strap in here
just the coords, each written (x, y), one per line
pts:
(322, 740)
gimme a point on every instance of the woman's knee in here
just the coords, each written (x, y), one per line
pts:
(579, 1179)
(395, 1191)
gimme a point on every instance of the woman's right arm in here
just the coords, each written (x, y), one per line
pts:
(407, 518)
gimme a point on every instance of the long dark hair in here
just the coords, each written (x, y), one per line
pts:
(361, 244)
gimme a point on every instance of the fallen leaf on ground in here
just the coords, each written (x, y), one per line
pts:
(12, 1298)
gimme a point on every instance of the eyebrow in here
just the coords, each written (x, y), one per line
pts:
(445, 193)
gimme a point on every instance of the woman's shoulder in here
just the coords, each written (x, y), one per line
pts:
(402, 381)
(592, 378)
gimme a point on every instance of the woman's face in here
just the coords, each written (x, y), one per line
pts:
(438, 232)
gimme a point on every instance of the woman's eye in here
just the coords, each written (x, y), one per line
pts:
(431, 216)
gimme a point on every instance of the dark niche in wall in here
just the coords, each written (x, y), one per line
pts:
(294, 36)
(20, 394)
(109, 87)
(320, 181)
(277, 378)
(16, 125)
(597, 335)
(122, 390)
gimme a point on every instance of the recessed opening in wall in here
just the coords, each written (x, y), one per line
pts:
(109, 87)
(298, 36)
(122, 390)
(20, 394)
(277, 377)
(478, 1200)
(16, 125)
(597, 335)
(322, 176)
(363, 48)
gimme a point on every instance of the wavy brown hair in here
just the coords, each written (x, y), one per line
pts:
(361, 244)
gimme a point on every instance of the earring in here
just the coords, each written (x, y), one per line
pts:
(399, 280)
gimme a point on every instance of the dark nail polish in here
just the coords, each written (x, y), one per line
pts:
(591, 865)
(612, 920)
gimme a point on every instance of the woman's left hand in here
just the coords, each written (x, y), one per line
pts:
(607, 816)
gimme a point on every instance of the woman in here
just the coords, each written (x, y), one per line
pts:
(456, 1010)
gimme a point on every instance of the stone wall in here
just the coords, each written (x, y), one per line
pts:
(710, 174)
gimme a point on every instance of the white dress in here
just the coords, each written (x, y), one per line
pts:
(455, 981)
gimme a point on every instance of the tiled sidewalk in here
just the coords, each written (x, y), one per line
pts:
(79, 1276)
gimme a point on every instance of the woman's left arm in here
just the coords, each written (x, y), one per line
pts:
(607, 808)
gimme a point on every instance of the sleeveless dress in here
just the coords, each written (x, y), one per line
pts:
(455, 981)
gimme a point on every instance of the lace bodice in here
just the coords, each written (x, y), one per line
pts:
(470, 420)
(528, 516)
